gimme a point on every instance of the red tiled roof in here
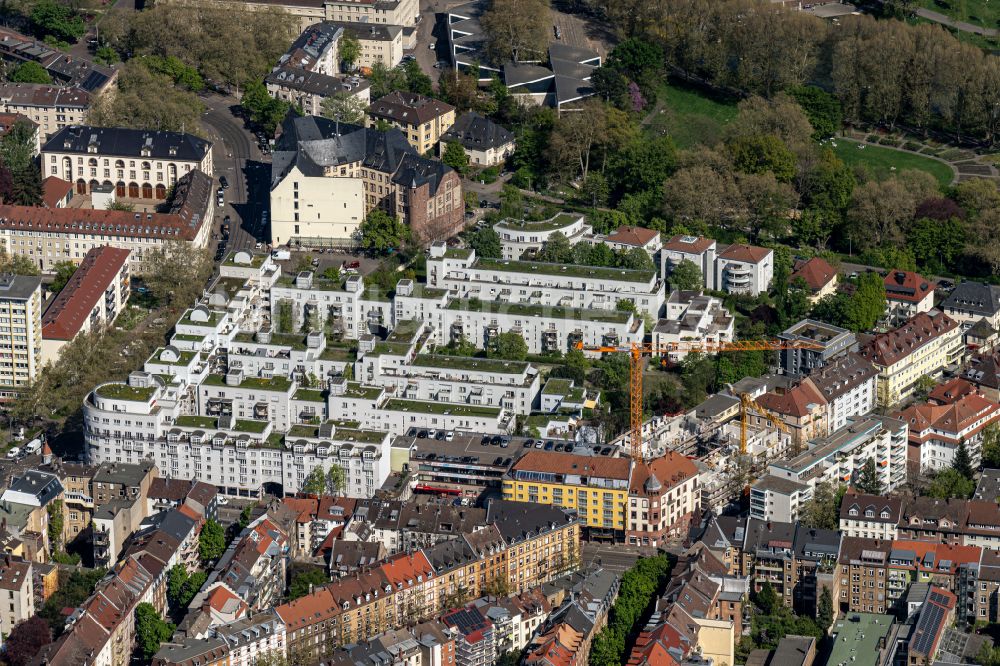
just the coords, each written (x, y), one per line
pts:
(951, 390)
(750, 254)
(67, 314)
(636, 236)
(816, 272)
(948, 420)
(794, 402)
(670, 469)
(886, 349)
(54, 190)
(907, 286)
(571, 463)
(679, 243)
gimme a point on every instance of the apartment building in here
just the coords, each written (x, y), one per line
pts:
(743, 269)
(520, 238)
(847, 384)
(839, 457)
(870, 516)
(818, 276)
(349, 306)
(47, 236)
(923, 346)
(698, 250)
(907, 294)
(803, 410)
(91, 299)
(20, 332)
(380, 43)
(51, 108)
(17, 593)
(308, 89)
(937, 430)
(664, 496)
(596, 487)
(830, 342)
(971, 301)
(315, 155)
(693, 316)
(486, 143)
(422, 120)
(777, 499)
(503, 281)
(138, 164)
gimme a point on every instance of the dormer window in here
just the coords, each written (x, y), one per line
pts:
(885, 515)
(869, 514)
(854, 512)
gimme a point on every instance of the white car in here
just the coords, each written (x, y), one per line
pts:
(223, 500)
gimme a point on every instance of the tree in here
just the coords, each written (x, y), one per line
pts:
(456, 157)
(687, 276)
(304, 582)
(575, 137)
(963, 463)
(17, 264)
(610, 85)
(55, 511)
(636, 259)
(175, 110)
(385, 80)
(516, 30)
(26, 639)
(50, 18)
(949, 483)
(183, 75)
(760, 154)
(991, 446)
(486, 243)
(336, 480)
(594, 189)
(822, 109)
(262, 108)
(922, 387)
(822, 511)
(315, 483)
(382, 233)
(345, 108)
(509, 346)
(211, 541)
(177, 578)
(824, 609)
(64, 271)
(416, 80)
(175, 273)
(151, 630)
(30, 72)
(556, 250)
(348, 50)
(766, 599)
(17, 153)
(869, 482)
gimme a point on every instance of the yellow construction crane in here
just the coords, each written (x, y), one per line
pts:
(637, 350)
(746, 404)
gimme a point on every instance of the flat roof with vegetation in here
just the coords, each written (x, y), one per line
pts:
(560, 221)
(534, 310)
(187, 337)
(185, 357)
(400, 405)
(457, 253)
(470, 363)
(572, 270)
(309, 395)
(214, 318)
(339, 354)
(249, 425)
(273, 384)
(557, 386)
(340, 434)
(195, 421)
(356, 390)
(256, 261)
(295, 341)
(319, 283)
(120, 391)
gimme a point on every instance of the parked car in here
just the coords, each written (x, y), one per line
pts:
(223, 182)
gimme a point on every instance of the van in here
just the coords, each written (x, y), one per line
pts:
(13, 453)
(281, 255)
(34, 446)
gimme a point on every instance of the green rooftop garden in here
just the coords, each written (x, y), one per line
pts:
(213, 319)
(247, 425)
(126, 392)
(185, 357)
(256, 260)
(356, 390)
(274, 441)
(405, 331)
(187, 337)
(340, 433)
(339, 354)
(319, 283)
(421, 290)
(469, 363)
(573, 270)
(560, 221)
(557, 386)
(194, 421)
(534, 310)
(393, 348)
(457, 253)
(401, 405)
(310, 395)
(274, 384)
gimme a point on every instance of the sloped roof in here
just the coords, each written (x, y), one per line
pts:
(886, 349)
(816, 273)
(71, 308)
(907, 286)
(750, 254)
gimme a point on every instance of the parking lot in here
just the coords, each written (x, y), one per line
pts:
(320, 260)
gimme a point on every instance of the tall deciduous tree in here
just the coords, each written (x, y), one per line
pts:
(211, 541)
(509, 346)
(381, 232)
(26, 639)
(348, 50)
(150, 630)
(455, 157)
(687, 276)
(516, 30)
(30, 72)
(175, 109)
(824, 609)
(344, 107)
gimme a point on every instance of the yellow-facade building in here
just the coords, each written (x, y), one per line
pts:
(595, 487)
(923, 346)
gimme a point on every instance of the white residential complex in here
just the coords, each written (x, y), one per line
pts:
(250, 394)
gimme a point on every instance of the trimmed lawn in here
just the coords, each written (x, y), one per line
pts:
(689, 115)
(881, 160)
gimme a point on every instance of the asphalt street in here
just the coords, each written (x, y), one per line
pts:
(237, 157)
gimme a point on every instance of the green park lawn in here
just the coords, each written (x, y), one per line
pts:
(690, 116)
(984, 13)
(880, 161)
